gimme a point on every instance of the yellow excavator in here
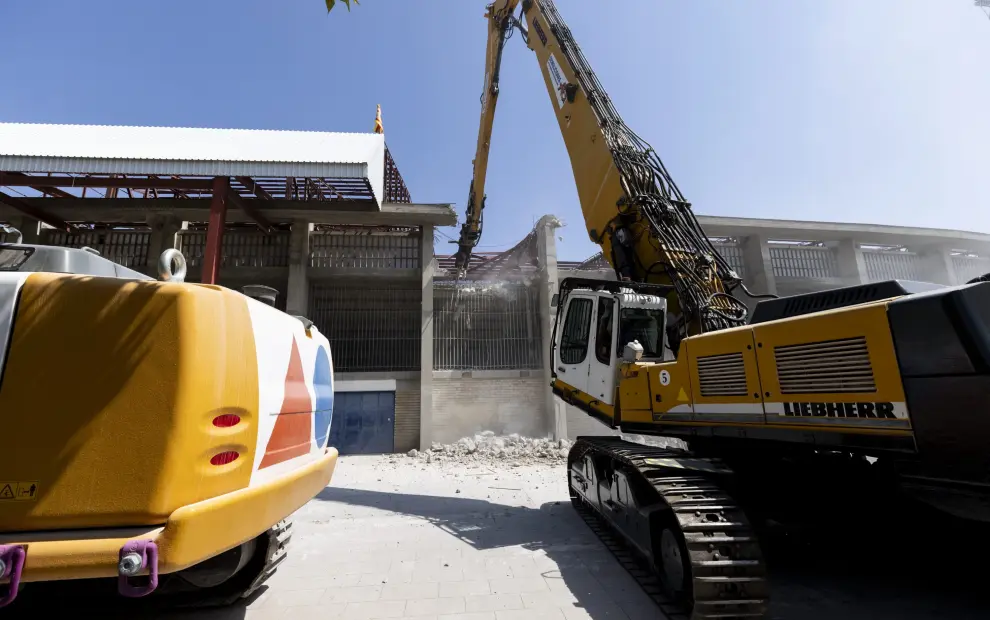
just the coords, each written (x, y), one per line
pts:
(155, 432)
(879, 386)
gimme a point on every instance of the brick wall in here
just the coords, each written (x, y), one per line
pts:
(465, 406)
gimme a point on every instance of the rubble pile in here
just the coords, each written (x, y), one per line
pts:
(486, 447)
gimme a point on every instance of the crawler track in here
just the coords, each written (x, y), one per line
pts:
(728, 576)
(244, 583)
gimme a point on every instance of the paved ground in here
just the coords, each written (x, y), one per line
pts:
(394, 538)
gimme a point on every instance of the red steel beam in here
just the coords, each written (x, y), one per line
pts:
(36, 213)
(214, 232)
(251, 212)
(18, 179)
(253, 187)
(41, 187)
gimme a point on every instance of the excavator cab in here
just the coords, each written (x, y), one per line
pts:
(601, 324)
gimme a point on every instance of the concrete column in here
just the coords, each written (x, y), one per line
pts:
(297, 296)
(936, 266)
(164, 227)
(851, 264)
(556, 417)
(428, 268)
(759, 269)
(30, 228)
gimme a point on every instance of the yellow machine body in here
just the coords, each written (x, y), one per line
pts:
(835, 371)
(186, 414)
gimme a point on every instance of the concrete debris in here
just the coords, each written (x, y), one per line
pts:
(512, 450)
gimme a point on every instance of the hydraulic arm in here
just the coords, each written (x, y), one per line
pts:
(631, 205)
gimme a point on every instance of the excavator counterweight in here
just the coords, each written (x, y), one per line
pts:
(159, 433)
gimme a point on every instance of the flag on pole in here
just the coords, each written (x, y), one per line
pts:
(378, 120)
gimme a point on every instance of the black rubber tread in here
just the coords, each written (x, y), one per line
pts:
(271, 552)
(278, 541)
(728, 573)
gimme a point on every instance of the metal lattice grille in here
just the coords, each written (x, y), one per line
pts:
(126, 247)
(733, 254)
(805, 263)
(369, 328)
(825, 367)
(722, 375)
(361, 249)
(882, 266)
(969, 267)
(486, 326)
(395, 187)
(240, 248)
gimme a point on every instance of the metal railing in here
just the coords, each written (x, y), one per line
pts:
(240, 248)
(370, 328)
(486, 326)
(968, 267)
(892, 265)
(806, 263)
(128, 247)
(363, 248)
(733, 254)
(395, 187)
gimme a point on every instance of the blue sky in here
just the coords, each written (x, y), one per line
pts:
(838, 110)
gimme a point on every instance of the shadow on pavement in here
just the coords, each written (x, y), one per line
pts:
(857, 570)
(98, 598)
(598, 584)
(861, 569)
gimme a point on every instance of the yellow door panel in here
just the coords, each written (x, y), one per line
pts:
(725, 381)
(583, 401)
(671, 386)
(836, 368)
(634, 388)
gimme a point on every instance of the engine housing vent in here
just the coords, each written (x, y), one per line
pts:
(722, 375)
(825, 367)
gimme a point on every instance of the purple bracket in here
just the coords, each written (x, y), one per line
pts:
(13, 560)
(148, 551)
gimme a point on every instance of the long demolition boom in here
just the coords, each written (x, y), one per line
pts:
(631, 205)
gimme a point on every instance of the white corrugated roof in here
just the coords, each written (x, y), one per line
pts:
(103, 149)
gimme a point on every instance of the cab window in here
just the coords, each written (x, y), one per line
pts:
(577, 328)
(603, 334)
(645, 325)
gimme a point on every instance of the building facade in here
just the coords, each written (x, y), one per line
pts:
(440, 358)
(421, 355)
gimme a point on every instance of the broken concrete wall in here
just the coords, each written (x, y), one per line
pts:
(501, 402)
(491, 342)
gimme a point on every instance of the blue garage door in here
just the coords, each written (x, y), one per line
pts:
(363, 422)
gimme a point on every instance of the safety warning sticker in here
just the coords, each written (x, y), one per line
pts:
(18, 490)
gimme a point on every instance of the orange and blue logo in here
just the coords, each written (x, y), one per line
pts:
(293, 432)
(323, 387)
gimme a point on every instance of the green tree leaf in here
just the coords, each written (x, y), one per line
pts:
(331, 3)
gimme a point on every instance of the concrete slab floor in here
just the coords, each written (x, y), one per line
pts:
(396, 538)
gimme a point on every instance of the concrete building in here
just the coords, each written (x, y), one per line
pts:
(327, 221)
(324, 218)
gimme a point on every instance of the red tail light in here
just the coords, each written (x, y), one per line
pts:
(224, 457)
(226, 420)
